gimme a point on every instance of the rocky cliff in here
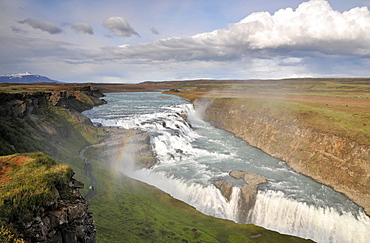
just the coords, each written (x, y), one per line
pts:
(40, 121)
(40, 200)
(50, 122)
(63, 221)
(21, 104)
(331, 159)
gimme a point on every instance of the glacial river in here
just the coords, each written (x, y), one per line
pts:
(192, 154)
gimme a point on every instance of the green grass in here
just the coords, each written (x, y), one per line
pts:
(326, 118)
(30, 184)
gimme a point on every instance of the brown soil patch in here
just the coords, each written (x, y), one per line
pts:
(10, 163)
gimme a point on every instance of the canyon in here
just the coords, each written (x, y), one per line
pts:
(329, 158)
(48, 118)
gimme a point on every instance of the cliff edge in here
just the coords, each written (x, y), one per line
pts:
(40, 201)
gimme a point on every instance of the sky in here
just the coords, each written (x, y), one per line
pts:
(133, 41)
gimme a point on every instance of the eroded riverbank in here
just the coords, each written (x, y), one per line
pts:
(192, 155)
(330, 159)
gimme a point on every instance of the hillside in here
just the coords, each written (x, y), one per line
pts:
(36, 192)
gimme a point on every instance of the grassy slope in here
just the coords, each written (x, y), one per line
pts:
(27, 184)
(55, 131)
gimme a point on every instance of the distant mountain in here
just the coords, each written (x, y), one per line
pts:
(25, 78)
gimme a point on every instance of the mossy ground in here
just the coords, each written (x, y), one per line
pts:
(28, 183)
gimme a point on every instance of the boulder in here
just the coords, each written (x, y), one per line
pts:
(248, 192)
(225, 187)
(249, 177)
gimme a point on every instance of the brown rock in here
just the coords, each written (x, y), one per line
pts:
(225, 187)
(249, 177)
(248, 193)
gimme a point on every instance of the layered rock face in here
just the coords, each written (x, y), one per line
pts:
(37, 121)
(328, 158)
(23, 104)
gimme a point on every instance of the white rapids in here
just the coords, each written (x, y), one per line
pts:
(192, 154)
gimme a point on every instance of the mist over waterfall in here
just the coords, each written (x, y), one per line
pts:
(192, 155)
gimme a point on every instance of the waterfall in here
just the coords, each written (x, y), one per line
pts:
(206, 199)
(192, 155)
(273, 211)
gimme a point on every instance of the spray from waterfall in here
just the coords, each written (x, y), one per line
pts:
(192, 155)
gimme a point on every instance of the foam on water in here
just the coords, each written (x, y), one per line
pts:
(192, 154)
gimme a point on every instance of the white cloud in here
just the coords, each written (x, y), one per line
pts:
(314, 28)
(313, 25)
(119, 26)
(82, 27)
(309, 40)
(42, 25)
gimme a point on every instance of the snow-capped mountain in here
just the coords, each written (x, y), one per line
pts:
(25, 78)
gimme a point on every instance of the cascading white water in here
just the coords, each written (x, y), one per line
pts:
(274, 211)
(206, 199)
(192, 155)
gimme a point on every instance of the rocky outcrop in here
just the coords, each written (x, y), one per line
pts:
(330, 159)
(22, 104)
(249, 177)
(40, 121)
(248, 191)
(64, 219)
(225, 188)
(95, 92)
(68, 223)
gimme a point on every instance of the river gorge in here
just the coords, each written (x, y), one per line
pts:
(192, 156)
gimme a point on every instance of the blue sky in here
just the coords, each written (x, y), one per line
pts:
(139, 40)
